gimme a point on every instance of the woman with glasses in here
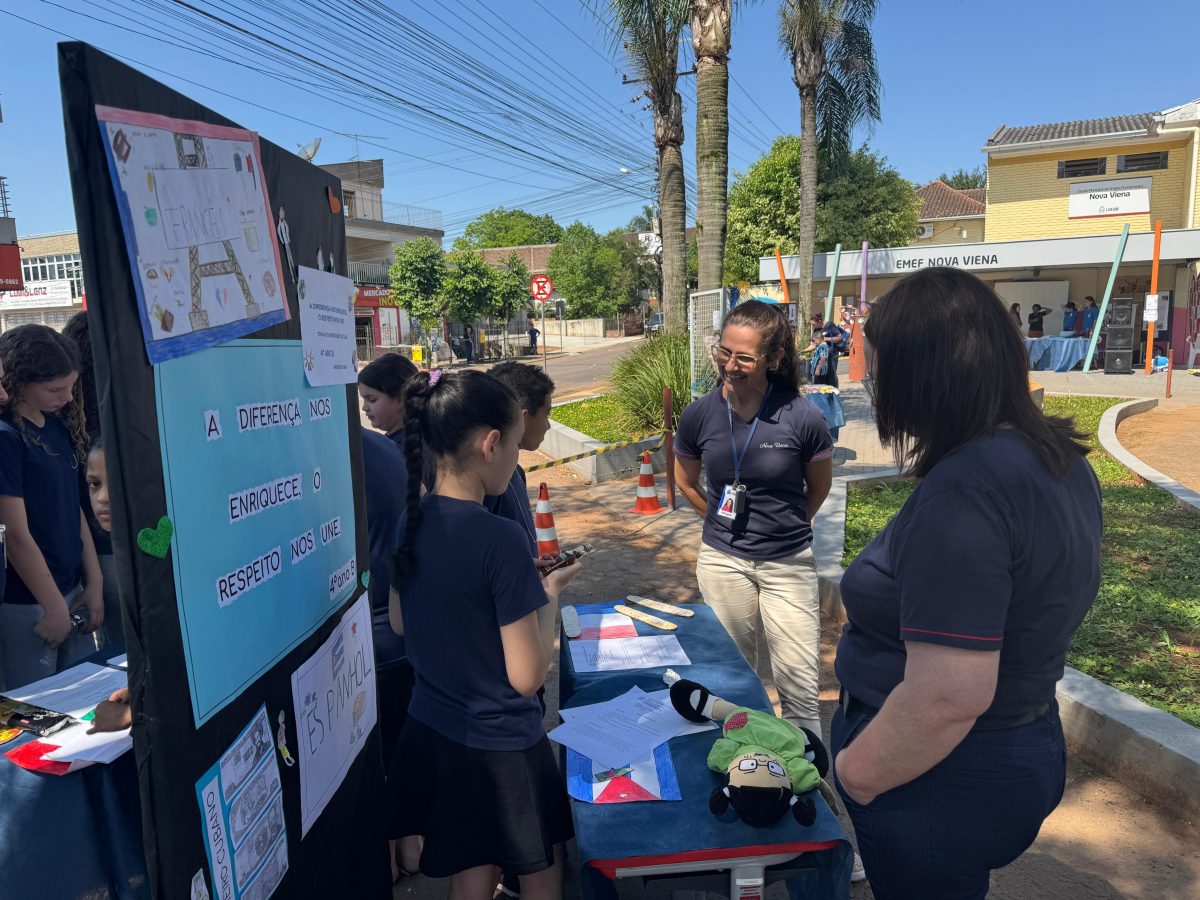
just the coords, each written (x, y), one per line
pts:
(769, 461)
(948, 748)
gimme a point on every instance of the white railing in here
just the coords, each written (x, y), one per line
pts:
(369, 273)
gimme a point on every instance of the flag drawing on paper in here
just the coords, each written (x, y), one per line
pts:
(650, 778)
(602, 626)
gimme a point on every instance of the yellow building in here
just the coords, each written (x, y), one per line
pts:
(948, 215)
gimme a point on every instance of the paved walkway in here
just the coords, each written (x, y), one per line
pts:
(1184, 387)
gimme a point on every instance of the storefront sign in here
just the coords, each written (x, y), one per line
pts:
(374, 295)
(10, 268)
(1116, 197)
(38, 295)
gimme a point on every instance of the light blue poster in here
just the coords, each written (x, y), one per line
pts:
(256, 466)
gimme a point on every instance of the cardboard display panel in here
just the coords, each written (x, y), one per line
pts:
(239, 525)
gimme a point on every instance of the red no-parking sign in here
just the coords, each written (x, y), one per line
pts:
(541, 287)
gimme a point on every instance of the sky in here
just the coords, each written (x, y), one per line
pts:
(573, 140)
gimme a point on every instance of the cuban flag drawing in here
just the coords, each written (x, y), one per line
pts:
(650, 778)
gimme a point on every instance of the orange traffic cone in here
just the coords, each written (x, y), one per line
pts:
(647, 494)
(543, 524)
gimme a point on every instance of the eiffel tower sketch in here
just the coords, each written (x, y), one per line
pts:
(194, 157)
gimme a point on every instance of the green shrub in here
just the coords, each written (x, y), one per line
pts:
(599, 418)
(639, 377)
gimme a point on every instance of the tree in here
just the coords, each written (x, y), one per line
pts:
(643, 221)
(965, 180)
(650, 31)
(467, 291)
(868, 200)
(597, 276)
(510, 288)
(833, 65)
(710, 27)
(502, 227)
(417, 276)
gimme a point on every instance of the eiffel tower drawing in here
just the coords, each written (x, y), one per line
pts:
(196, 158)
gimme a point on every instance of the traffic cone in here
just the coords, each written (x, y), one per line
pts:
(543, 524)
(647, 494)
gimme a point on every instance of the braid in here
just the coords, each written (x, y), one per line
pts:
(416, 398)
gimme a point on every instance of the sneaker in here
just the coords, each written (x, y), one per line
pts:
(857, 872)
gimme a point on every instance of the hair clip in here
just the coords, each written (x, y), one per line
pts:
(434, 377)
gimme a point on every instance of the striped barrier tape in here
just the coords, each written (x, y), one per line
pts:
(596, 452)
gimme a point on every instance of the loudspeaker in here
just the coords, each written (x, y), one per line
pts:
(1119, 338)
(1120, 311)
(1118, 362)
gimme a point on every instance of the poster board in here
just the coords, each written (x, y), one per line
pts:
(212, 642)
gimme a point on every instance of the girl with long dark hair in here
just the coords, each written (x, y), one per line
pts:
(948, 747)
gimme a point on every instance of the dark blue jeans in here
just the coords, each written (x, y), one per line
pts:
(940, 835)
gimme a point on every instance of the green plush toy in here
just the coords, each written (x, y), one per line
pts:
(769, 762)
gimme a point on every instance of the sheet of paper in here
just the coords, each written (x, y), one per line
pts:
(652, 777)
(76, 745)
(622, 729)
(327, 327)
(620, 654)
(121, 662)
(75, 691)
(663, 697)
(333, 696)
(605, 626)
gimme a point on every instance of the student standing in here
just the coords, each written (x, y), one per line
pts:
(533, 338)
(53, 569)
(474, 772)
(381, 389)
(769, 460)
(1036, 317)
(1091, 312)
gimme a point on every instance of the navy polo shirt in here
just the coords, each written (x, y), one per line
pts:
(40, 467)
(791, 432)
(990, 552)
(473, 577)
(386, 477)
(831, 330)
(514, 504)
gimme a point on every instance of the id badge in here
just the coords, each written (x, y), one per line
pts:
(733, 501)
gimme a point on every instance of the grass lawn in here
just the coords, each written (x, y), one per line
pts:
(1143, 633)
(599, 418)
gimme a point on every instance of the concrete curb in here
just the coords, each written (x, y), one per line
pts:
(1185, 497)
(829, 541)
(562, 441)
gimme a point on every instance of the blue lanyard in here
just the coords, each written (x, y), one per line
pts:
(739, 457)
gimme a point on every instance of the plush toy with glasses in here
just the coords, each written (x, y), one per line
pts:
(769, 762)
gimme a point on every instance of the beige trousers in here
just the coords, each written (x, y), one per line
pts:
(779, 599)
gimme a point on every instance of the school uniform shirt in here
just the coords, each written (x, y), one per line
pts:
(1090, 315)
(1035, 319)
(514, 504)
(791, 432)
(991, 552)
(386, 476)
(831, 330)
(46, 477)
(473, 576)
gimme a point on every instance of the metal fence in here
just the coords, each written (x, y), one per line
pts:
(706, 309)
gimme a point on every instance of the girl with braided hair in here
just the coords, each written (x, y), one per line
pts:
(54, 598)
(473, 772)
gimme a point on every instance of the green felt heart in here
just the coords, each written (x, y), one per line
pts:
(156, 541)
(365, 578)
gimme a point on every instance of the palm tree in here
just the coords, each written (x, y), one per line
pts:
(650, 31)
(710, 26)
(833, 64)
(643, 221)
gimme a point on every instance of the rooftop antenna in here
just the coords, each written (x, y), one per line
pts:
(308, 151)
(356, 158)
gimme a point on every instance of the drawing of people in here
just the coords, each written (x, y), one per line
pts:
(285, 241)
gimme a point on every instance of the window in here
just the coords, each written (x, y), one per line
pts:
(1074, 168)
(349, 203)
(1142, 162)
(59, 267)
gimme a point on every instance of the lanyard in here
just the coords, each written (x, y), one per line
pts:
(739, 457)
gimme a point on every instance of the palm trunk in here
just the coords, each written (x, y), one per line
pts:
(712, 168)
(672, 203)
(808, 196)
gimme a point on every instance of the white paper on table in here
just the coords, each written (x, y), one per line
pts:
(327, 327)
(664, 697)
(605, 626)
(120, 662)
(75, 744)
(620, 654)
(75, 691)
(625, 728)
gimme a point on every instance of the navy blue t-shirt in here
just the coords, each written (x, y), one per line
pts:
(473, 577)
(514, 504)
(46, 477)
(791, 432)
(990, 552)
(831, 330)
(386, 476)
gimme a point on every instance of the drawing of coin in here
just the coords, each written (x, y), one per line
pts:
(151, 215)
(359, 703)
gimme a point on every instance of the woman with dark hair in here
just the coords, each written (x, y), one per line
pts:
(1015, 312)
(381, 386)
(769, 459)
(948, 747)
(1036, 320)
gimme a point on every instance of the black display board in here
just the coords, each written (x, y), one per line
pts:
(342, 854)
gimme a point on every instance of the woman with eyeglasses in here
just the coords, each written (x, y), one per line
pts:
(769, 461)
(947, 743)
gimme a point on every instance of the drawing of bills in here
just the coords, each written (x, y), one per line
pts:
(270, 875)
(262, 838)
(252, 801)
(240, 760)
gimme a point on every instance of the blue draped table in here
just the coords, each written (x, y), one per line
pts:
(75, 835)
(1056, 354)
(830, 405)
(640, 839)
